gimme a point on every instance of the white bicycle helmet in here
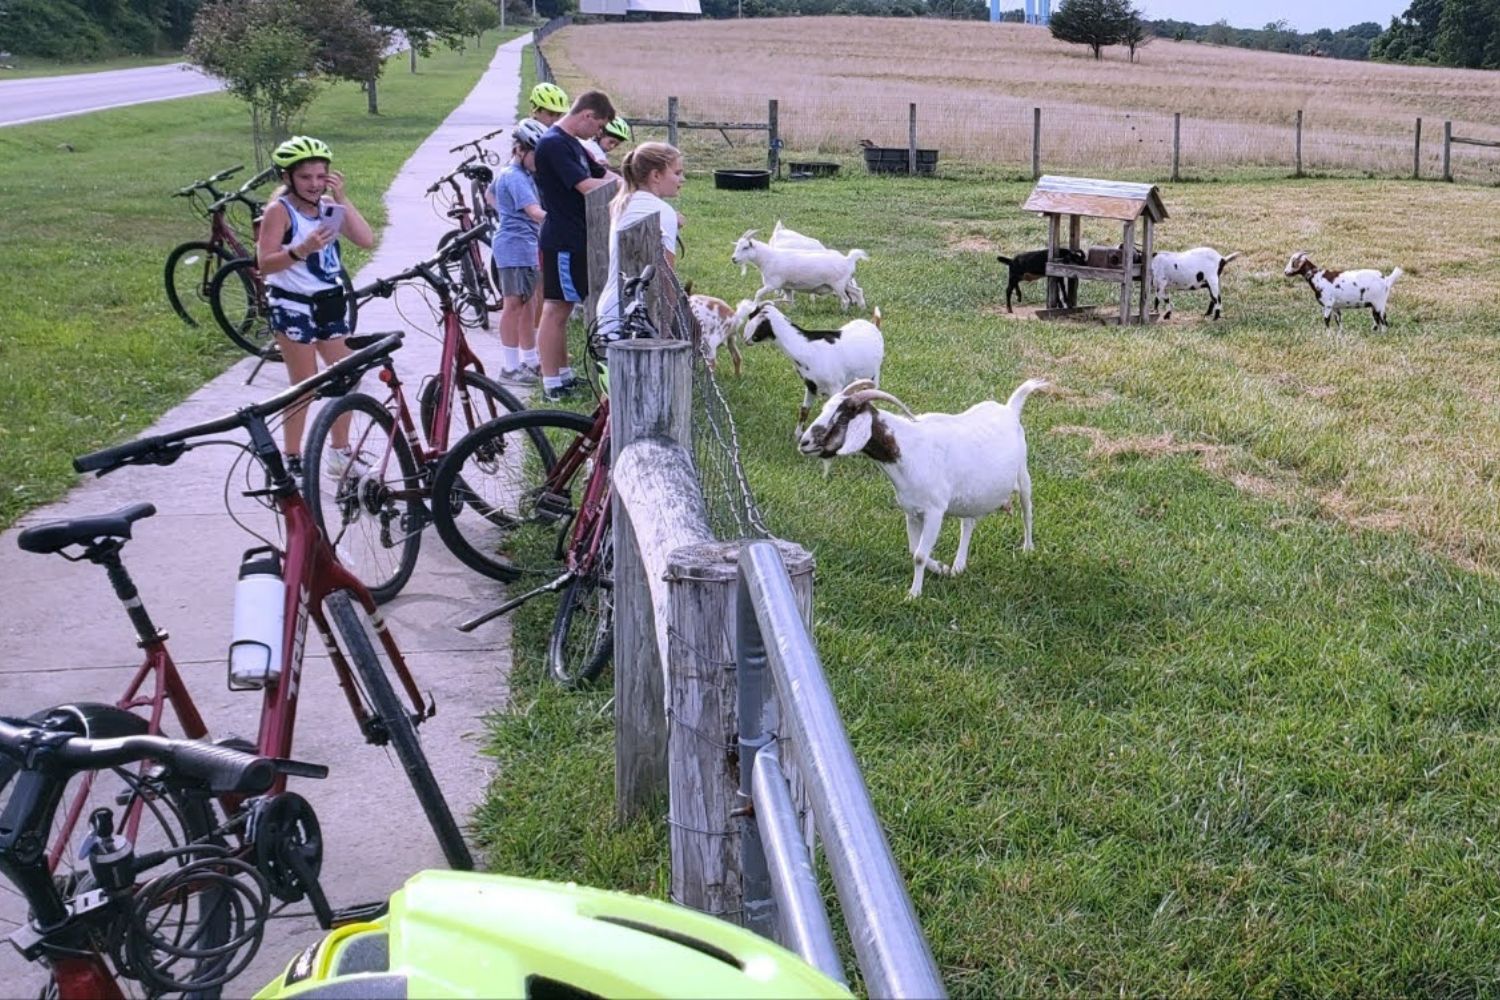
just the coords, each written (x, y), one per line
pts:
(528, 132)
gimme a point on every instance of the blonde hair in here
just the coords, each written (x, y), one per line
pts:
(640, 163)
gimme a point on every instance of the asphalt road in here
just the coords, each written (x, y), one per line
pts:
(39, 98)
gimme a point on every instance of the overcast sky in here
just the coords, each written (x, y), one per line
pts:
(1302, 16)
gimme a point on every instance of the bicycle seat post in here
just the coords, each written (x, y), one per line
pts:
(106, 553)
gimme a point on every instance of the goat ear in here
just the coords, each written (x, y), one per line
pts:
(857, 431)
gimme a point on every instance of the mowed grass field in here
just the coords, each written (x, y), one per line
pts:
(90, 350)
(1231, 729)
(840, 80)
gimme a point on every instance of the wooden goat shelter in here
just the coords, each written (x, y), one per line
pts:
(1132, 205)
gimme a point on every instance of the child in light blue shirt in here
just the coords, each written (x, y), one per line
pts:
(514, 246)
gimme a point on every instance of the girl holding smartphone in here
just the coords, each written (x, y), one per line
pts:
(298, 255)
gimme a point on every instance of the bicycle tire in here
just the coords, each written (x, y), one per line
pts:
(363, 496)
(193, 815)
(240, 309)
(467, 413)
(199, 261)
(472, 295)
(498, 472)
(582, 640)
(372, 673)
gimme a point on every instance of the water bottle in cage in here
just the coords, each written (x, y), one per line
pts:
(259, 615)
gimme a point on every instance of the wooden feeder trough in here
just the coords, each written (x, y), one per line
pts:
(897, 160)
(808, 169)
(1077, 197)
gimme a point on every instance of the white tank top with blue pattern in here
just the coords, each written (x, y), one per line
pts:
(319, 272)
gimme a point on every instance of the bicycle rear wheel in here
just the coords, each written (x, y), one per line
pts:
(239, 305)
(369, 508)
(583, 632)
(471, 291)
(368, 656)
(503, 516)
(153, 815)
(189, 272)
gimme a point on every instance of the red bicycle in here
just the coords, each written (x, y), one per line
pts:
(191, 266)
(278, 829)
(373, 501)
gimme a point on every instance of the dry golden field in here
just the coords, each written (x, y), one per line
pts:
(839, 80)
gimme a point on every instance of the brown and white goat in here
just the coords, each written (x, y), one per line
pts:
(718, 323)
(1336, 291)
(962, 465)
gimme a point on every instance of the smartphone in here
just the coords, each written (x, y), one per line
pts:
(332, 217)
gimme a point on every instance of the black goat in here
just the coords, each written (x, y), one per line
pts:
(1030, 266)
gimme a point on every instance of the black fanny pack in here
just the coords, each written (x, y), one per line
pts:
(328, 306)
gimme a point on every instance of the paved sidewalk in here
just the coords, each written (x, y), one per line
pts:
(71, 640)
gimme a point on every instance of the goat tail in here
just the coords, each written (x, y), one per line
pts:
(1230, 257)
(1396, 272)
(857, 255)
(1018, 398)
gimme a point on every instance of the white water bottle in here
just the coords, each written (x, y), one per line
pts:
(259, 614)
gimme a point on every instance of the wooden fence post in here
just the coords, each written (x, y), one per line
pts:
(1416, 154)
(1127, 262)
(773, 141)
(1298, 170)
(672, 120)
(911, 141)
(1036, 143)
(1176, 144)
(651, 389)
(704, 725)
(596, 221)
(1447, 151)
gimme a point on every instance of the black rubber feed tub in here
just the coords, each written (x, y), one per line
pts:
(808, 169)
(742, 180)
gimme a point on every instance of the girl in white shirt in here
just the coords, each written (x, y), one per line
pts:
(652, 173)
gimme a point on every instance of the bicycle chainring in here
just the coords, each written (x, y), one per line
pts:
(288, 843)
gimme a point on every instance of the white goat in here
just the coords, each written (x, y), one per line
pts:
(826, 360)
(961, 465)
(1336, 291)
(821, 272)
(1190, 269)
(790, 239)
(718, 322)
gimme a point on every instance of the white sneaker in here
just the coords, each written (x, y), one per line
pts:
(343, 462)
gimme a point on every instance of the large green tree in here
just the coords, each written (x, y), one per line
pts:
(1469, 34)
(1095, 23)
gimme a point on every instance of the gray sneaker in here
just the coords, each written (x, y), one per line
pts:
(524, 375)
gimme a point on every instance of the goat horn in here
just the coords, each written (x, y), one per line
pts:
(749, 233)
(868, 395)
(859, 385)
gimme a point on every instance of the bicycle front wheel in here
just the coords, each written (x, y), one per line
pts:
(189, 273)
(367, 655)
(471, 291)
(239, 304)
(366, 498)
(495, 501)
(477, 399)
(583, 632)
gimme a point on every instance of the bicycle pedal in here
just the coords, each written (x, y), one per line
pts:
(554, 506)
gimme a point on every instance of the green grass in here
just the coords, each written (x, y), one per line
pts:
(1231, 729)
(92, 352)
(20, 67)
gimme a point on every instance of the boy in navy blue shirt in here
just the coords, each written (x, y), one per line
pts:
(564, 174)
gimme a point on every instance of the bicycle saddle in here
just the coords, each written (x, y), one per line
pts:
(54, 536)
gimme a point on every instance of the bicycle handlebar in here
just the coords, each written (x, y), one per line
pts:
(164, 449)
(384, 288)
(239, 196)
(476, 142)
(224, 769)
(209, 182)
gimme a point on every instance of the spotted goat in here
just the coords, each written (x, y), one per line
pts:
(826, 360)
(1188, 270)
(1336, 291)
(962, 465)
(718, 323)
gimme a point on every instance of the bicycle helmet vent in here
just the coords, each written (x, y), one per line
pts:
(469, 934)
(528, 132)
(619, 128)
(299, 148)
(549, 97)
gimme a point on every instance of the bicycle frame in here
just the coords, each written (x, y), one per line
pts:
(592, 523)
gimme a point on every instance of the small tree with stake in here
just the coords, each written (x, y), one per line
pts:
(1095, 23)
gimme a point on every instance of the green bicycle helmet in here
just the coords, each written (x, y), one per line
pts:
(619, 128)
(468, 934)
(549, 97)
(299, 148)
